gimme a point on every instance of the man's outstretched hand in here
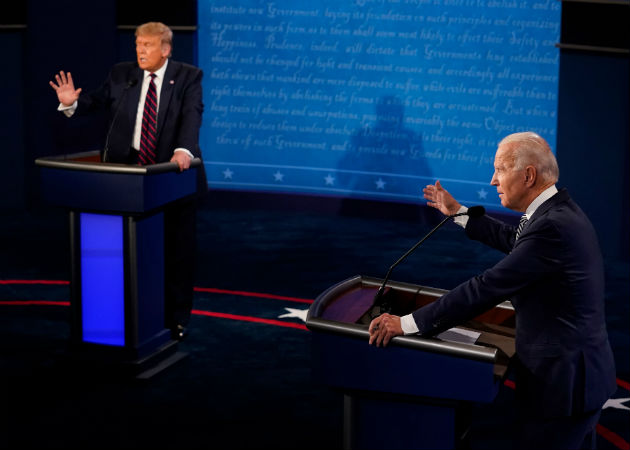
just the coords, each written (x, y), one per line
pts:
(64, 87)
(440, 199)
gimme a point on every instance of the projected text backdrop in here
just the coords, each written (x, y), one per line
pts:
(372, 99)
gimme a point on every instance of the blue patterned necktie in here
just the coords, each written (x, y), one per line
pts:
(148, 135)
(521, 225)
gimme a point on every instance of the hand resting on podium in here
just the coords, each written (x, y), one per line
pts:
(383, 328)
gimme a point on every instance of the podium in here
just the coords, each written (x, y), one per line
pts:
(116, 214)
(416, 393)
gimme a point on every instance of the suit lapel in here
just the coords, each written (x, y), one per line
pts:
(133, 96)
(166, 93)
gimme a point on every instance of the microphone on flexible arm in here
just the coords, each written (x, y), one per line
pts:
(379, 301)
(130, 84)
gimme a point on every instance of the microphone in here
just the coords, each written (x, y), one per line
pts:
(130, 84)
(383, 306)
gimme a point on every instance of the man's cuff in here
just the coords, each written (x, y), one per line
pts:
(67, 110)
(185, 151)
(461, 220)
(408, 325)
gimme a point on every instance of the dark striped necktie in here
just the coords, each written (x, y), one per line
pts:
(521, 225)
(148, 135)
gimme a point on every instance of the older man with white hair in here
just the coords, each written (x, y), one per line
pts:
(553, 274)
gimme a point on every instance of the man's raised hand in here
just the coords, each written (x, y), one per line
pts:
(64, 87)
(440, 199)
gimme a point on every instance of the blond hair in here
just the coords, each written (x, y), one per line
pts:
(156, 29)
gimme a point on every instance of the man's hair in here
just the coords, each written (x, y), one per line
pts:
(156, 29)
(528, 148)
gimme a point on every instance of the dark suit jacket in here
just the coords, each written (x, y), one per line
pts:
(555, 279)
(179, 115)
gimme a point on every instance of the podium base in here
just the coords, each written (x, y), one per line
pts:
(162, 365)
(94, 362)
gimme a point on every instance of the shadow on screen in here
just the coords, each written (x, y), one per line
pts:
(382, 155)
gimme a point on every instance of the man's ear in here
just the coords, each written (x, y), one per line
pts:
(166, 50)
(530, 175)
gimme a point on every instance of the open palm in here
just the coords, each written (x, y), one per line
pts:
(439, 198)
(66, 93)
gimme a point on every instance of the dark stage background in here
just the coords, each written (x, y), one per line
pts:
(246, 382)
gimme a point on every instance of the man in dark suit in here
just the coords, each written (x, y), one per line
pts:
(553, 274)
(155, 108)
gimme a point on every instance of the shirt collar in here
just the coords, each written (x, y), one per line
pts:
(159, 73)
(542, 198)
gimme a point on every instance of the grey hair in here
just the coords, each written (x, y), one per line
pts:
(528, 148)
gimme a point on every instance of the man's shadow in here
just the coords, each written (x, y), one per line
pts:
(379, 153)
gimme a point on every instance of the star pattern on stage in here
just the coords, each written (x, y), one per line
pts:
(380, 184)
(227, 174)
(482, 194)
(292, 312)
(330, 180)
(278, 176)
(617, 403)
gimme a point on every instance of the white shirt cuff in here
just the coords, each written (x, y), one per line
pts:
(461, 220)
(67, 110)
(408, 325)
(185, 151)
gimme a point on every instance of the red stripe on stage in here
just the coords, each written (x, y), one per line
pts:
(197, 289)
(278, 323)
(253, 294)
(199, 312)
(510, 384)
(623, 384)
(33, 302)
(613, 438)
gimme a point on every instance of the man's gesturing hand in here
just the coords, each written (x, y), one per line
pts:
(66, 93)
(440, 199)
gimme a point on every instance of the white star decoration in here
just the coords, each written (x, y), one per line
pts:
(299, 313)
(330, 180)
(482, 194)
(278, 176)
(380, 184)
(617, 403)
(227, 174)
